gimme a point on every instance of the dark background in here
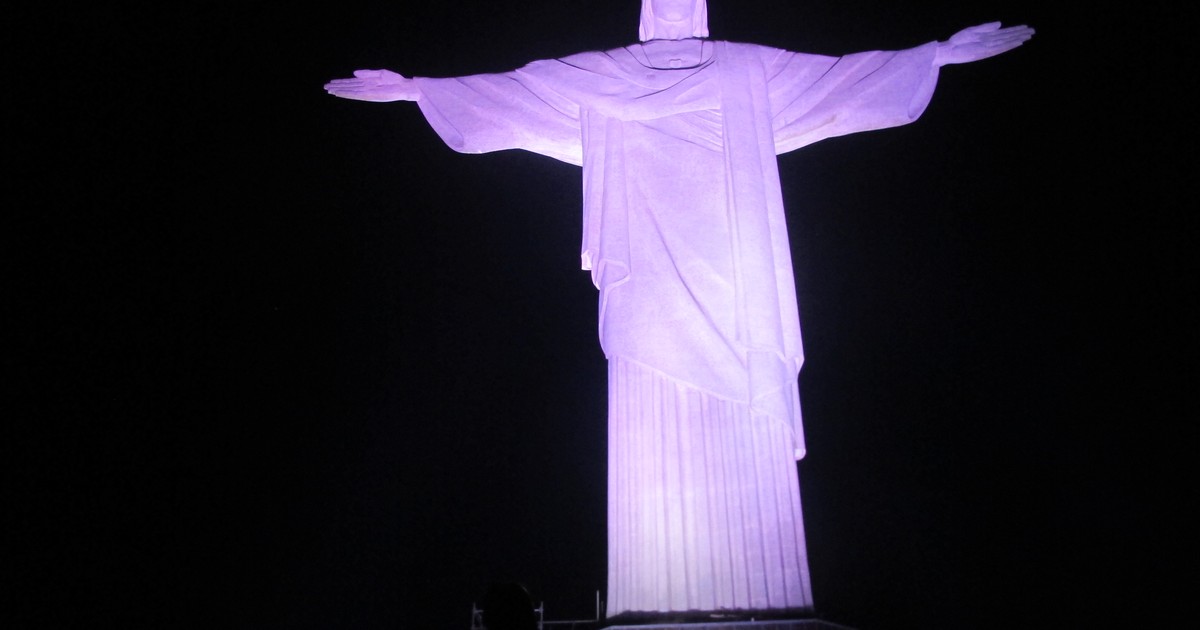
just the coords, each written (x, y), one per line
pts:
(281, 360)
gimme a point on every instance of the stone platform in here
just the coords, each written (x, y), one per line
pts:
(789, 619)
(766, 624)
(802, 619)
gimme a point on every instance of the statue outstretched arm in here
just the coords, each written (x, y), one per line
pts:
(380, 86)
(980, 42)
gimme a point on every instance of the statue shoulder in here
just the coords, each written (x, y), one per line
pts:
(748, 48)
(596, 60)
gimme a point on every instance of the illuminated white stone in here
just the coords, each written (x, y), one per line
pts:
(685, 238)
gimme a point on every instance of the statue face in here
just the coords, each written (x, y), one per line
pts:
(672, 10)
(673, 19)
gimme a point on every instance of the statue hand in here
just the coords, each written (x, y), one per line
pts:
(380, 86)
(980, 42)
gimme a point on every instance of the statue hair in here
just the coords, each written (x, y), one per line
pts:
(699, 19)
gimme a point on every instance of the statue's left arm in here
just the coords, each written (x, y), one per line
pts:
(814, 97)
(980, 42)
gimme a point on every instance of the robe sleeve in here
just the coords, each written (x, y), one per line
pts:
(814, 97)
(511, 110)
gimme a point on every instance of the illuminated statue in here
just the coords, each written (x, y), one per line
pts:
(685, 238)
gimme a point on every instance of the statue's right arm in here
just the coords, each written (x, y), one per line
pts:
(380, 86)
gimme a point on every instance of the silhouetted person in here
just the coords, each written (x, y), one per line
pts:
(508, 606)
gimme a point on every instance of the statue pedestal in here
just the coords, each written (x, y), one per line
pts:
(770, 624)
(768, 620)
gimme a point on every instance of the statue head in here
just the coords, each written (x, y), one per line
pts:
(673, 19)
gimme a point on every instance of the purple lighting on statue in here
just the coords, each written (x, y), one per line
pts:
(685, 237)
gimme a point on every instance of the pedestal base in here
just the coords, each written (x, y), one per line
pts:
(770, 624)
(739, 620)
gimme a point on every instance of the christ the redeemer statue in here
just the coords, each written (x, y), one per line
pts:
(685, 238)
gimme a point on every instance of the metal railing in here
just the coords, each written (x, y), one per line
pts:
(542, 624)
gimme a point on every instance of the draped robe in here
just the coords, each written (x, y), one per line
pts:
(685, 239)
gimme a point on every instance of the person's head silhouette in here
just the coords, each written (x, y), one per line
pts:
(508, 606)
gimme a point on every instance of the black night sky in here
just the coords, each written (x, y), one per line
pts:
(282, 360)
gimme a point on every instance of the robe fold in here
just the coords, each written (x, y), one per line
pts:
(685, 238)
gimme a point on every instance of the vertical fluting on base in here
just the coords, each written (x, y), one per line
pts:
(703, 501)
